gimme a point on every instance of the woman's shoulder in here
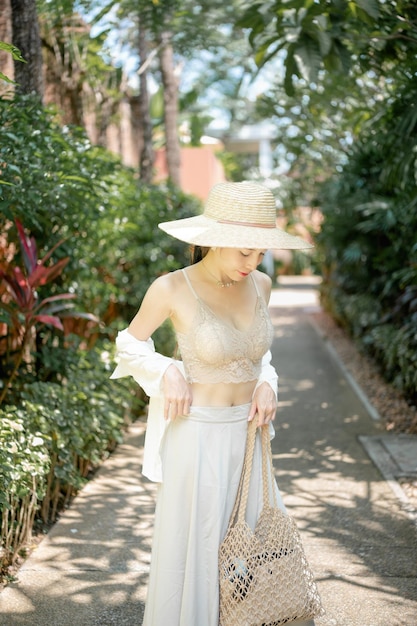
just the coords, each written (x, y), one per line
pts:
(172, 289)
(168, 283)
(263, 282)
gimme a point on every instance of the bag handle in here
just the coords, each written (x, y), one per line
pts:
(267, 463)
(241, 501)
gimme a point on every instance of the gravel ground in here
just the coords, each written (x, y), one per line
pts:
(396, 414)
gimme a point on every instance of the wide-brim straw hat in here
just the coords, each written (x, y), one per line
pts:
(236, 215)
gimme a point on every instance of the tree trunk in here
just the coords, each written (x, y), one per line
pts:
(147, 157)
(170, 85)
(25, 28)
(6, 60)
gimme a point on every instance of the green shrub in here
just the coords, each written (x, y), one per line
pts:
(368, 243)
(81, 420)
(24, 466)
(396, 349)
(62, 187)
(134, 249)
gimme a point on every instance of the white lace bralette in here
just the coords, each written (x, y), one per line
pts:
(214, 351)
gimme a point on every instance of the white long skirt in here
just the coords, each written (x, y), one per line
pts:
(202, 457)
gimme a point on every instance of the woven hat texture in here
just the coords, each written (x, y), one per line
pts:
(236, 215)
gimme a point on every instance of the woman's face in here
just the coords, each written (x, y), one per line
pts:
(238, 263)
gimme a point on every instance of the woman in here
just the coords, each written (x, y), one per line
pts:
(200, 407)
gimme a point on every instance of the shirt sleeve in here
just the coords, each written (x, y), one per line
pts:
(138, 359)
(268, 374)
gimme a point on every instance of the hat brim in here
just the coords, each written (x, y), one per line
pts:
(202, 231)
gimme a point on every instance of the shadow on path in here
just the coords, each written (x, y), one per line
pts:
(92, 568)
(362, 546)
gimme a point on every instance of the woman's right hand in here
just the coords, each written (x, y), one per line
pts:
(177, 393)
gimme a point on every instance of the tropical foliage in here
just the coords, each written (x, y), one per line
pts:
(78, 230)
(346, 116)
(16, 55)
(23, 311)
(338, 37)
(62, 188)
(369, 242)
(52, 440)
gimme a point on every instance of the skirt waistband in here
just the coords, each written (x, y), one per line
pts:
(218, 414)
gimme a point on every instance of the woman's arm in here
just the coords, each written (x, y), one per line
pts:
(155, 373)
(156, 307)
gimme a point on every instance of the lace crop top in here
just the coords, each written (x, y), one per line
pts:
(214, 351)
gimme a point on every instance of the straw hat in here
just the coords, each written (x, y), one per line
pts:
(236, 215)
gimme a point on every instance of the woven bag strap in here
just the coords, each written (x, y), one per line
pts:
(247, 469)
(239, 507)
(267, 468)
(241, 501)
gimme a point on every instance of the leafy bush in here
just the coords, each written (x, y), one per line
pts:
(24, 466)
(81, 421)
(368, 241)
(52, 441)
(23, 311)
(133, 250)
(62, 187)
(48, 174)
(65, 190)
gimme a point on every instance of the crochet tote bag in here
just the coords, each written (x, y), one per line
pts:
(264, 576)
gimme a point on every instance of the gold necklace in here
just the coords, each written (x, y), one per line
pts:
(219, 283)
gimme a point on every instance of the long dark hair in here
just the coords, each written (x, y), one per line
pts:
(197, 253)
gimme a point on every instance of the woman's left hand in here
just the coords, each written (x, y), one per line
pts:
(264, 404)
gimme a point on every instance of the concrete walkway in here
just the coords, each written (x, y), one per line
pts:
(359, 532)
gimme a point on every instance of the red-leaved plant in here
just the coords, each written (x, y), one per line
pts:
(21, 309)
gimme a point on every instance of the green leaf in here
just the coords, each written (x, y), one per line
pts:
(157, 104)
(290, 71)
(6, 79)
(252, 18)
(325, 42)
(15, 52)
(371, 7)
(74, 178)
(308, 59)
(4, 317)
